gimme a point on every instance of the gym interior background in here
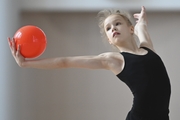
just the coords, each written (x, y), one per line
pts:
(72, 29)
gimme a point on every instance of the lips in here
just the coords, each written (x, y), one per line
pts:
(116, 33)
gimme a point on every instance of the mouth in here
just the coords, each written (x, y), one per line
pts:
(116, 33)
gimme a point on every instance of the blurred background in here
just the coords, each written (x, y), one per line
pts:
(72, 29)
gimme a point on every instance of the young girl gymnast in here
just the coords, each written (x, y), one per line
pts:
(137, 65)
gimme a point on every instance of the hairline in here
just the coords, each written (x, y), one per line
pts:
(121, 17)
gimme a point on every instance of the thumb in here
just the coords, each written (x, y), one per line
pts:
(136, 15)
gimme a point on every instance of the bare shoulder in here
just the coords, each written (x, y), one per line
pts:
(114, 61)
(112, 57)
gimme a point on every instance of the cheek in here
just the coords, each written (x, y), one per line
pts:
(108, 34)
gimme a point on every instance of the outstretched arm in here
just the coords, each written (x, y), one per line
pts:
(141, 29)
(90, 62)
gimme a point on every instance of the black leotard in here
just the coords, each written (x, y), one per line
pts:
(148, 80)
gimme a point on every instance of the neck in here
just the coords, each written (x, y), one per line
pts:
(128, 46)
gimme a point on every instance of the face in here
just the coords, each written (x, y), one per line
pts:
(117, 29)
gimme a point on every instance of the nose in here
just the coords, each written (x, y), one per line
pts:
(113, 29)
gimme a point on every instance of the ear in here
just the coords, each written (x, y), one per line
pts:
(132, 29)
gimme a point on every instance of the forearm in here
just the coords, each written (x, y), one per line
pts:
(51, 63)
(88, 62)
(143, 34)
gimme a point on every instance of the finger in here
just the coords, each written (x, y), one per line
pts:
(18, 50)
(13, 43)
(9, 42)
(143, 10)
(136, 15)
(13, 48)
(19, 47)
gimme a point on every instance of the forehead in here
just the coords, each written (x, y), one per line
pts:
(113, 18)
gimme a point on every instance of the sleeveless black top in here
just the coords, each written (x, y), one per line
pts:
(147, 78)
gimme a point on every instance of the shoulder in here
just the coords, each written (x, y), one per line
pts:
(111, 56)
(114, 61)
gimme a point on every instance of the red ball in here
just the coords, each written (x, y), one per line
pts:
(32, 41)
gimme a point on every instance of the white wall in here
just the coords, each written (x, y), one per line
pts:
(96, 5)
(78, 94)
(9, 20)
(28, 94)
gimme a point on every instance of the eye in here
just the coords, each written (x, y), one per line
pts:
(108, 28)
(118, 23)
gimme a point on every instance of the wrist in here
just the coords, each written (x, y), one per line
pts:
(141, 27)
(23, 64)
(140, 24)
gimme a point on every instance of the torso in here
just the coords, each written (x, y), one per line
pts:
(118, 62)
(147, 78)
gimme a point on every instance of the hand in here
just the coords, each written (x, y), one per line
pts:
(141, 19)
(16, 53)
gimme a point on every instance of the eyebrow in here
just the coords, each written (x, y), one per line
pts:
(113, 21)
